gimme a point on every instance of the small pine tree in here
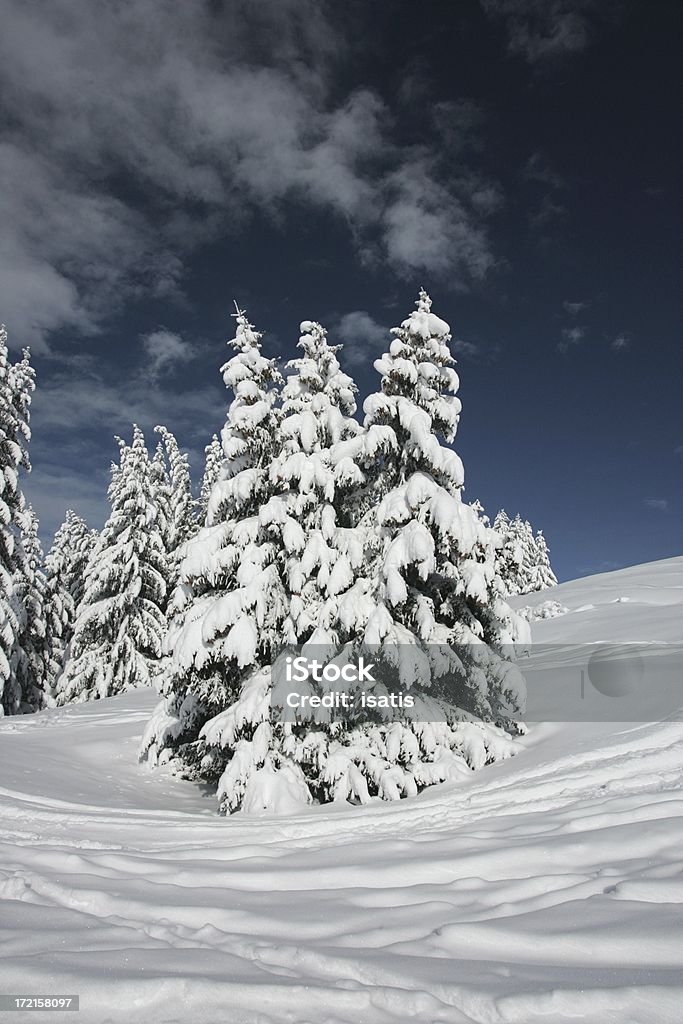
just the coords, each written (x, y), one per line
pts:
(31, 656)
(72, 547)
(161, 486)
(120, 624)
(16, 388)
(508, 554)
(542, 576)
(522, 560)
(179, 505)
(213, 460)
(65, 570)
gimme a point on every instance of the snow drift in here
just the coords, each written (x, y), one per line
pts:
(545, 888)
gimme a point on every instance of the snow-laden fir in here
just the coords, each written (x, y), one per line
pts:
(213, 459)
(21, 689)
(326, 534)
(117, 638)
(522, 559)
(33, 661)
(65, 568)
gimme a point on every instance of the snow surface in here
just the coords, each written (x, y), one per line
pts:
(545, 888)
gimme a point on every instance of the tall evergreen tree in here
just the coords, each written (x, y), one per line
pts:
(263, 572)
(436, 616)
(231, 604)
(16, 388)
(213, 460)
(181, 523)
(301, 550)
(319, 474)
(31, 656)
(161, 487)
(117, 640)
(65, 570)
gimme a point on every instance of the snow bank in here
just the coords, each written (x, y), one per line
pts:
(545, 888)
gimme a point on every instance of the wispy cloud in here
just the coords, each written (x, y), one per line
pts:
(210, 112)
(657, 504)
(621, 342)
(549, 185)
(571, 336)
(543, 30)
(362, 336)
(466, 349)
(538, 169)
(574, 308)
(679, 451)
(165, 351)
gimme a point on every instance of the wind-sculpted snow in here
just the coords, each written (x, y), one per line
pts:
(544, 888)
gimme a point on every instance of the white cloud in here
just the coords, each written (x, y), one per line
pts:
(540, 30)
(539, 170)
(465, 349)
(362, 336)
(574, 308)
(620, 343)
(165, 351)
(86, 402)
(571, 336)
(426, 227)
(209, 111)
(657, 504)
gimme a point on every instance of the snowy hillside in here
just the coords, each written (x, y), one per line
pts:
(546, 888)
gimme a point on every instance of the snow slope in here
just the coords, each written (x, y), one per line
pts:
(542, 889)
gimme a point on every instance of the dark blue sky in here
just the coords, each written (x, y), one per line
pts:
(517, 158)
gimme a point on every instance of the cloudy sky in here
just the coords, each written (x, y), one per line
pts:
(323, 161)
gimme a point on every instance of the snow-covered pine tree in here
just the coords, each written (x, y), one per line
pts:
(299, 468)
(522, 560)
(31, 658)
(542, 575)
(319, 475)
(65, 570)
(70, 553)
(16, 387)
(523, 538)
(323, 558)
(176, 496)
(161, 487)
(217, 718)
(420, 624)
(231, 605)
(120, 624)
(508, 554)
(213, 460)
(435, 612)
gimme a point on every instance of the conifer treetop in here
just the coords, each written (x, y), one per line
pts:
(318, 373)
